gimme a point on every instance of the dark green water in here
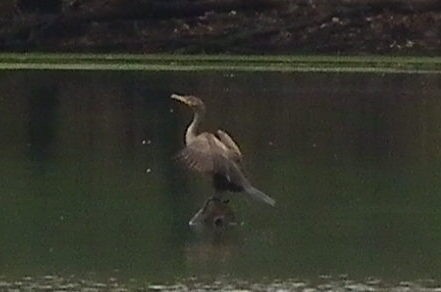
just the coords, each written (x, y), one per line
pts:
(89, 189)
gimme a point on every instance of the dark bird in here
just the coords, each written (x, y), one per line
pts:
(216, 155)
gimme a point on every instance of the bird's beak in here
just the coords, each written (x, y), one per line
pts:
(180, 98)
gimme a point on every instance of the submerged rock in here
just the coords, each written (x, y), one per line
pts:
(215, 214)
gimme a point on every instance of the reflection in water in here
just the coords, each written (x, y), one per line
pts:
(355, 164)
(211, 253)
(322, 283)
(216, 241)
(43, 103)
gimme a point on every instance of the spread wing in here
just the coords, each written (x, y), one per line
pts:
(197, 156)
(207, 154)
(234, 151)
(204, 154)
(232, 172)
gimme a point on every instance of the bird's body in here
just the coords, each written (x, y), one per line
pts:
(216, 155)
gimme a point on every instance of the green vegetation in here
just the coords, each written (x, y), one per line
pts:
(379, 64)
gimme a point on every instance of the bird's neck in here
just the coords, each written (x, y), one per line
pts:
(192, 130)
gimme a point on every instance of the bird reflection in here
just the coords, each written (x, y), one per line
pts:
(212, 253)
(216, 155)
(216, 243)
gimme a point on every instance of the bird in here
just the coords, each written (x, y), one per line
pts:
(216, 155)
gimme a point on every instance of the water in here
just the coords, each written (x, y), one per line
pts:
(91, 198)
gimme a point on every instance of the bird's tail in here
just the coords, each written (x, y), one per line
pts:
(260, 196)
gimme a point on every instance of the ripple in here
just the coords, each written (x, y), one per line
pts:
(113, 284)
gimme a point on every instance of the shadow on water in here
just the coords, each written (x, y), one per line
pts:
(89, 184)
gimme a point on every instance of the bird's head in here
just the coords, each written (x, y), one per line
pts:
(192, 101)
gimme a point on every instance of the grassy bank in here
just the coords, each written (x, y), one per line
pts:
(379, 64)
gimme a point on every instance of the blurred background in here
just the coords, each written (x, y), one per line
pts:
(222, 26)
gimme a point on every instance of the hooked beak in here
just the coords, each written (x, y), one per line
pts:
(180, 98)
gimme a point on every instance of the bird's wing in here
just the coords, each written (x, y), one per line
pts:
(205, 155)
(197, 156)
(208, 154)
(200, 155)
(233, 173)
(230, 144)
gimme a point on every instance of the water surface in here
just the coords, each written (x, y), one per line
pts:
(89, 189)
